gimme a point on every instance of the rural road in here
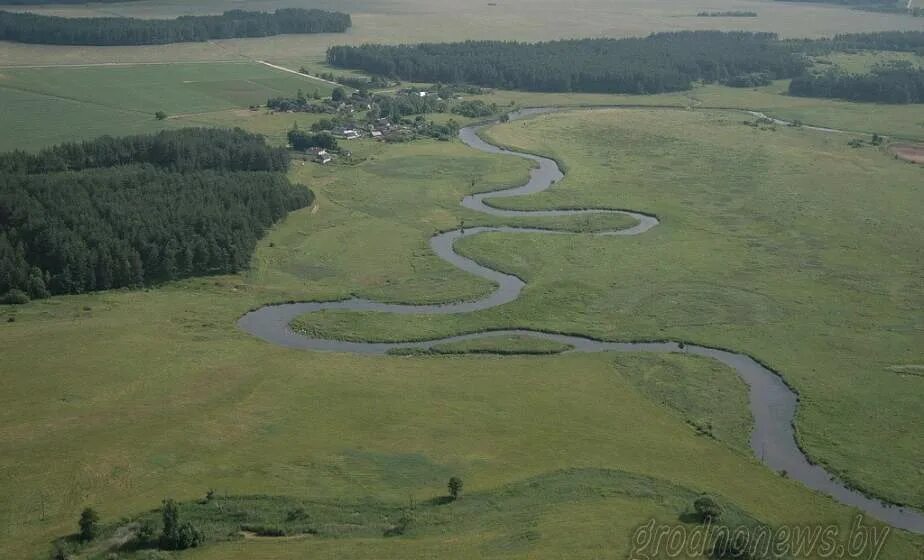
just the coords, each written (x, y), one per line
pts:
(772, 403)
(289, 70)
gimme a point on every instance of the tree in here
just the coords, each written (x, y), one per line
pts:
(160, 115)
(35, 28)
(89, 524)
(338, 95)
(176, 535)
(124, 212)
(707, 508)
(455, 487)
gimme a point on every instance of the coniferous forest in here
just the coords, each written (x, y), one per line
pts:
(134, 211)
(659, 63)
(108, 31)
(888, 84)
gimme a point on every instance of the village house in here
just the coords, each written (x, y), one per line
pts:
(347, 133)
(320, 155)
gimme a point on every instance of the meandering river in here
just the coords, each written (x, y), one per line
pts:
(772, 403)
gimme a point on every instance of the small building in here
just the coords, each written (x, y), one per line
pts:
(320, 155)
(348, 133)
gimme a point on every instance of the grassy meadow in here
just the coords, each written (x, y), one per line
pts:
(786, 244)
(815, 281)
(155, 392)
(49, 105)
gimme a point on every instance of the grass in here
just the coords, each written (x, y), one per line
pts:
(508, 344)
(417, 20)
(233, 518)
(48, 105)
(864, 61)
(814, 281)
(118, 399)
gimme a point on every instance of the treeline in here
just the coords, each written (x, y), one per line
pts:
(659, 63)
(135, 223)
(181, 150)
(106, 31)
(302, 140)
(891, 84)
(732, 13)
(903, 41)
(397, 106)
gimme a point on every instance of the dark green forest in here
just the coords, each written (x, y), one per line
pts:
(887, 84)
(109, 214)
(659, 63)
(187, 149)
(107, 31)
(902, 41)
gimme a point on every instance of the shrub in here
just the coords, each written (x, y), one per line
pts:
(147, 533)
(455, 487)
(401, 527)
(176, 535)
(707, 508)
(15, 297)
(297, 514)
(263, 531)
(89, 524)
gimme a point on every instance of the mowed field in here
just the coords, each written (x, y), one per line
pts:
(41, 106)
(155, 392)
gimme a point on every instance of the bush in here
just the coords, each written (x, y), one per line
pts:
(476, 108)
(297, 514)
(176, 535)
(400, 527)
(14, 297)
(455, 487)
(263, 531)
(707, 508)
(147, 533)
(89, 525)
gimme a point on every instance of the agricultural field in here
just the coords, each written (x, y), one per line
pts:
(45, 105)
(411, 21)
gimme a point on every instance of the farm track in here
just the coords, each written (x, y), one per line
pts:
(772, 403)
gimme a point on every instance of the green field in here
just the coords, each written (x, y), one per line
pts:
(46, 105)
(863, 62)
(42, 106)
(747, 257)
(156, 392)
(783, 243)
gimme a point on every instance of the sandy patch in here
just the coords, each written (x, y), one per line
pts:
(908, 152)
